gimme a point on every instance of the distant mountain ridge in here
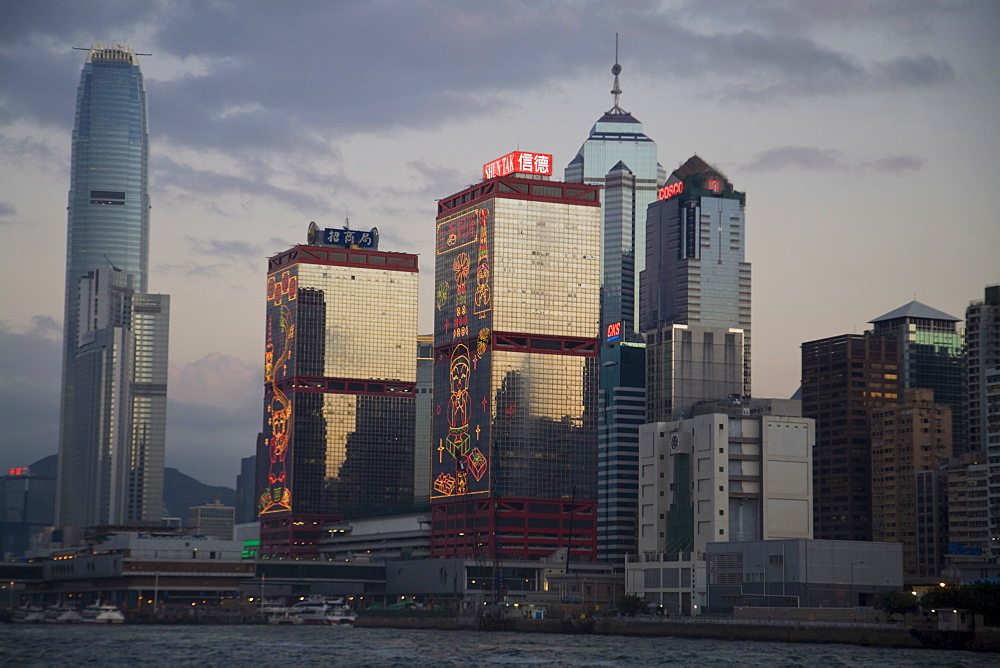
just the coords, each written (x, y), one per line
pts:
(180, 491)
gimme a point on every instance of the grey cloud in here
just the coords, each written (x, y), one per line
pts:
(7, 213)
(208, 441)
(897, 164)
(199, 269)
(307, 75)
(29, 394)
(808, 158)
(211, 185)
(230, 248)
(213, 416)
(814, 159)
(914, 72)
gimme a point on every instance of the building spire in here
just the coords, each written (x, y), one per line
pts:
(617, 90)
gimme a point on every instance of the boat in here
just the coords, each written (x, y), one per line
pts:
(283, 616)
(56, 614)
(323, 611)
(103, 613)
(29, 614)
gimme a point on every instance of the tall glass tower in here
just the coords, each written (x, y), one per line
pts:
(621, 160)
(113, 416)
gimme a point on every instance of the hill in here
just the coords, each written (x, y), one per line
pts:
(180, 491)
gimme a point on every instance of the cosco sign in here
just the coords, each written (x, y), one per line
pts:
(666, 192)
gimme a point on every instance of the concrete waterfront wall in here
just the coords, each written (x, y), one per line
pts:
(865, 635)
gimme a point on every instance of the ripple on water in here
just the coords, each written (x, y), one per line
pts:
(288, 645)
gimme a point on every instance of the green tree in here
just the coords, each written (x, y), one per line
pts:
(896, 602)
(632, 605)
(980, 598)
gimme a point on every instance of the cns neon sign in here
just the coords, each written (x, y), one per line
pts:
(519, 161)
(614, 331)
(666, 192)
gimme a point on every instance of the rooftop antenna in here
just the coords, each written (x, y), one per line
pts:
(616, 91)
(87, 48)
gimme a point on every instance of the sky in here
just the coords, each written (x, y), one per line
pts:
(866, 136)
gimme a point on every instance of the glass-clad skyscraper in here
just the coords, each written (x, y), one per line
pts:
(620, 159)
(112, 427)
(695, 302)
(339, 387)
(515, 372)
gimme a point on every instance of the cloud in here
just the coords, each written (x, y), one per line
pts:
(913, 72)
(230, 248)
(796, 157)
(29, 395)
(7, 211)
(896, 164)
(213, 416)
(814, 159)
(253, 80)
(174, 177)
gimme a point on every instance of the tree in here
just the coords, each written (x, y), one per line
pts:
(896, 602)
(979, 598)
(631, 605)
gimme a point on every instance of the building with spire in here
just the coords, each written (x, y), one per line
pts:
(620, 160)
(114, 371)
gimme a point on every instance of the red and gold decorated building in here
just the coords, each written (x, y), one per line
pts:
(516, 320)
(339, 387)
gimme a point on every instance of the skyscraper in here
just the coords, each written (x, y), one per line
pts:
(932, 357)
(982, 336)
(844, 379)
(515, 379)
(907, 437)
(695, 293)
(340, 386)
(620, 159)
(113, 407)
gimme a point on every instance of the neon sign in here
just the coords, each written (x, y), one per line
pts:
(519, 161)
(614, 331)
(715, 185)
(18, 470)
(668, 191)
(348, 238)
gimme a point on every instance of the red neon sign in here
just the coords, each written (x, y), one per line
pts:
(715, 185)
(666, 192)
(614, 331)
(519, 161)
(17, 470)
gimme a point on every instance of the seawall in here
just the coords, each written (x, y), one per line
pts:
(806, 632)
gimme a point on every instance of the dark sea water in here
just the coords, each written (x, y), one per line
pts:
(282, 646)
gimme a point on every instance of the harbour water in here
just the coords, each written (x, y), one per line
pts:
(50, 645)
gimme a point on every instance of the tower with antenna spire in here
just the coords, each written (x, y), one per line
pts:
(621, 160)
(112, 428)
